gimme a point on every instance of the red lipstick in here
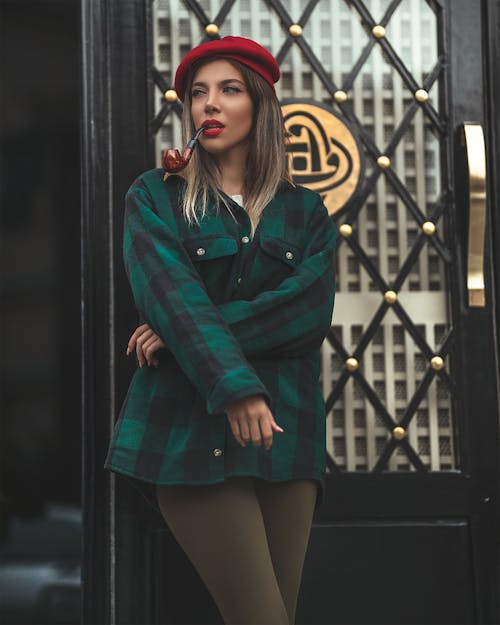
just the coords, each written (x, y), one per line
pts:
(212, 127)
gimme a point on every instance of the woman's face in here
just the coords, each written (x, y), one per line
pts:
(220, 101)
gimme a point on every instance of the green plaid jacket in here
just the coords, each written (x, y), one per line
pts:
(239, 317)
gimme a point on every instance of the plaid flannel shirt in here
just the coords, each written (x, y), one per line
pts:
(239, 317)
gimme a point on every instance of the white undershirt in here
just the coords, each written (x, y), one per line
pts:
(238, 199)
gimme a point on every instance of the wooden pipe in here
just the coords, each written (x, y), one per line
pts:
(173, 161)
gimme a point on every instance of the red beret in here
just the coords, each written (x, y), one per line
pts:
(241, 49)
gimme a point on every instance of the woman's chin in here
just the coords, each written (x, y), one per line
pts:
(216, 151)
(219, 150)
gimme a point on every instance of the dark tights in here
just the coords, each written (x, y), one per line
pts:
(247, 538)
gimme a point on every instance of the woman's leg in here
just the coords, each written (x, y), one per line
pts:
(287, 509)
(220, 528)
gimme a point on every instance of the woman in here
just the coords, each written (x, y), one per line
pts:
(231, 268)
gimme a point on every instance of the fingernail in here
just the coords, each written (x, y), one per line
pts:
(127, 352)
(280, 429)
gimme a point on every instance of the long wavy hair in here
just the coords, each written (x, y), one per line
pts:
(267, 163)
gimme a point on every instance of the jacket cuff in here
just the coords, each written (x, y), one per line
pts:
(235, 385)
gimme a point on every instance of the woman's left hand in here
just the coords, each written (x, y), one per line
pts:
(146, 343)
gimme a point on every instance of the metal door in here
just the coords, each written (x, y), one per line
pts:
(410, 367)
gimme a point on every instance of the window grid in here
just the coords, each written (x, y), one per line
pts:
(393, 365)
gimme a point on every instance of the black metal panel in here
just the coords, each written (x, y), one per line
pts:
(388, 573)
(391, 495)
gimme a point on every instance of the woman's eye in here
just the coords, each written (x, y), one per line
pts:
(231, 89)
(196, 92)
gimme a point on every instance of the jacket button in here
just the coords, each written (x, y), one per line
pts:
(289, 255)
(200, 251)
(217, 452)
(245, 239)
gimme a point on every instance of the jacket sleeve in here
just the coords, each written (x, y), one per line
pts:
(295, 317)
(171, 297)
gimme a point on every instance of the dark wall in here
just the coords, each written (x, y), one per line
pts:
(40, 249)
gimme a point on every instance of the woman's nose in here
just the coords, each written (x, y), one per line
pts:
(211, 102)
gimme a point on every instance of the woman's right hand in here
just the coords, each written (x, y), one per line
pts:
(145, 343)
(251, 420)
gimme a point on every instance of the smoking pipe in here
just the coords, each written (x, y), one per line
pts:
(174, 161)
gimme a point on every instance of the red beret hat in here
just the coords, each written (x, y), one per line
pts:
(241, 49)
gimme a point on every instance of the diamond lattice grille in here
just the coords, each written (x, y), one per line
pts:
(391, 407)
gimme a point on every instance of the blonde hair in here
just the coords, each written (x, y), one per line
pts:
(267, 163)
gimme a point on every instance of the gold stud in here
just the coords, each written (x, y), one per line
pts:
(398, 433)
(351, 364)
(390, 297)
(345, 230)
(428, 227)
(212, 30)
(170, 95)
(383, 162)
(340, 96)
(437, 363)
(378, 31)
(295, 30)
(421, 95)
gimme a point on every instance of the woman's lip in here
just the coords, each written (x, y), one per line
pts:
(210, 123)
(213, 131)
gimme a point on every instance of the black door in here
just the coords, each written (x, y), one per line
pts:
(409, 530)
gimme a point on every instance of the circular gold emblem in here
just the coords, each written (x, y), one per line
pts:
(324, 155)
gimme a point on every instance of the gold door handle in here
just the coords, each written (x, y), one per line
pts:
(473, 140)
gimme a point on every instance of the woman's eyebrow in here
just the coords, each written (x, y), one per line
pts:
(222, 82)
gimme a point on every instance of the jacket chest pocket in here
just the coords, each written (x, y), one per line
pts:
(213, 257)
(278, 258)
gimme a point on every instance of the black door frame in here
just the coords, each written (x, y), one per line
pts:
(492, 71)
(114, 76)
(116, 145)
